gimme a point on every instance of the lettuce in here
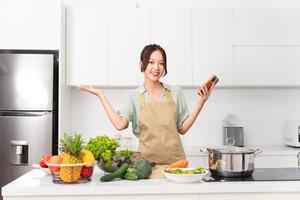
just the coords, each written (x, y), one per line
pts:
(103, 147)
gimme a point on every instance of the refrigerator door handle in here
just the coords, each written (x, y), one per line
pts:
(22, 114)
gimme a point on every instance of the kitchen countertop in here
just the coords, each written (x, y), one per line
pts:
(37, 185)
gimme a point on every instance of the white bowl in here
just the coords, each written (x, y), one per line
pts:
(184, 178)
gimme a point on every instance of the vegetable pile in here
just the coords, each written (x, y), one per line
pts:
(141, 170)
(120, 163)
(104, 147)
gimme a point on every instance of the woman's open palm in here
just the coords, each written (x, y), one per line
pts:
(89, 89)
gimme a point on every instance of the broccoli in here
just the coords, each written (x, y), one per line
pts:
(143, 168)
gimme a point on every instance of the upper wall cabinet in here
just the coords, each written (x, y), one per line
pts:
(212, 45)
(267, 66)
(267, 47)
(103, 45)
(129, 32)
(87, 45)
(243, 47)
(171, 28)
(30, 24)
(266, 26)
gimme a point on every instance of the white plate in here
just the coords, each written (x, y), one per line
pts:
(184, 178)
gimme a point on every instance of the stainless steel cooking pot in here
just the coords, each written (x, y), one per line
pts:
(231, 161)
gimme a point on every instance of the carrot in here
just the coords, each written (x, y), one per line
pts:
(180, 163)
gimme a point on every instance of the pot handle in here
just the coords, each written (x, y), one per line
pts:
(257, 151)
(203, 151)
(298, 158)
(229, 141)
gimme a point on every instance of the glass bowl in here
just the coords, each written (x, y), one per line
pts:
(117, 162)
(71, 173)
(106, 168)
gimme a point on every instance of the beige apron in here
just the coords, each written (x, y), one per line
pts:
(159, 140)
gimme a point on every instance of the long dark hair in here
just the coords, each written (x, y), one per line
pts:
(146, 53)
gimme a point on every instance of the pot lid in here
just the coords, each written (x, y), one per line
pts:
(232, 150)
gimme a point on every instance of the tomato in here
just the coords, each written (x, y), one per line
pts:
(86, 172)
(44, 159)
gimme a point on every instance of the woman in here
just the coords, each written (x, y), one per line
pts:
(158, 112)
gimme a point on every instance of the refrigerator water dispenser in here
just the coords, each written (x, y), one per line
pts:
(18, 152)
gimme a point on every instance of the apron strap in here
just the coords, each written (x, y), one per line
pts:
(142, 99)
(168, 93)
(169, 96)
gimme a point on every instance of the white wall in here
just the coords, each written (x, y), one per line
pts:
(262, 112)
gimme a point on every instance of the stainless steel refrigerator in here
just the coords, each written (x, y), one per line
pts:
(28, 109)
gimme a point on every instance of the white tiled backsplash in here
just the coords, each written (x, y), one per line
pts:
(261, 111)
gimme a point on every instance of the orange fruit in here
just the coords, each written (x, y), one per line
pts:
(56, 159)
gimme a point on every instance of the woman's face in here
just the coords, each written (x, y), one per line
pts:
(156, 66)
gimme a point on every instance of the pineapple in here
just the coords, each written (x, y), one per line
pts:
(71, 151)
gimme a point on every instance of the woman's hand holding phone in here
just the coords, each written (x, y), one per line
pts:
(205, 90)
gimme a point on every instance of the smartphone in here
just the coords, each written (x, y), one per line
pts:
(212, 80)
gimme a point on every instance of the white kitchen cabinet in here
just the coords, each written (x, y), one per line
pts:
(103, 45)
(129, 32)
(30, 24)
(267, 47)
(212, 48)
(104, 3)
(171, 28)
(260, 26)
(265, 66)
(87, 45)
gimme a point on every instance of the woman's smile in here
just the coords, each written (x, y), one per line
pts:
(155, 73)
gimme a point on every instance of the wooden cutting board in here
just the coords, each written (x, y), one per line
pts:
(157, 172)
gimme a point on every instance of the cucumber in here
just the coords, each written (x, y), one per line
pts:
(131, 174)
(119, 173)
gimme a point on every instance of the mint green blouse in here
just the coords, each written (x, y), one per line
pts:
(131, 105)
